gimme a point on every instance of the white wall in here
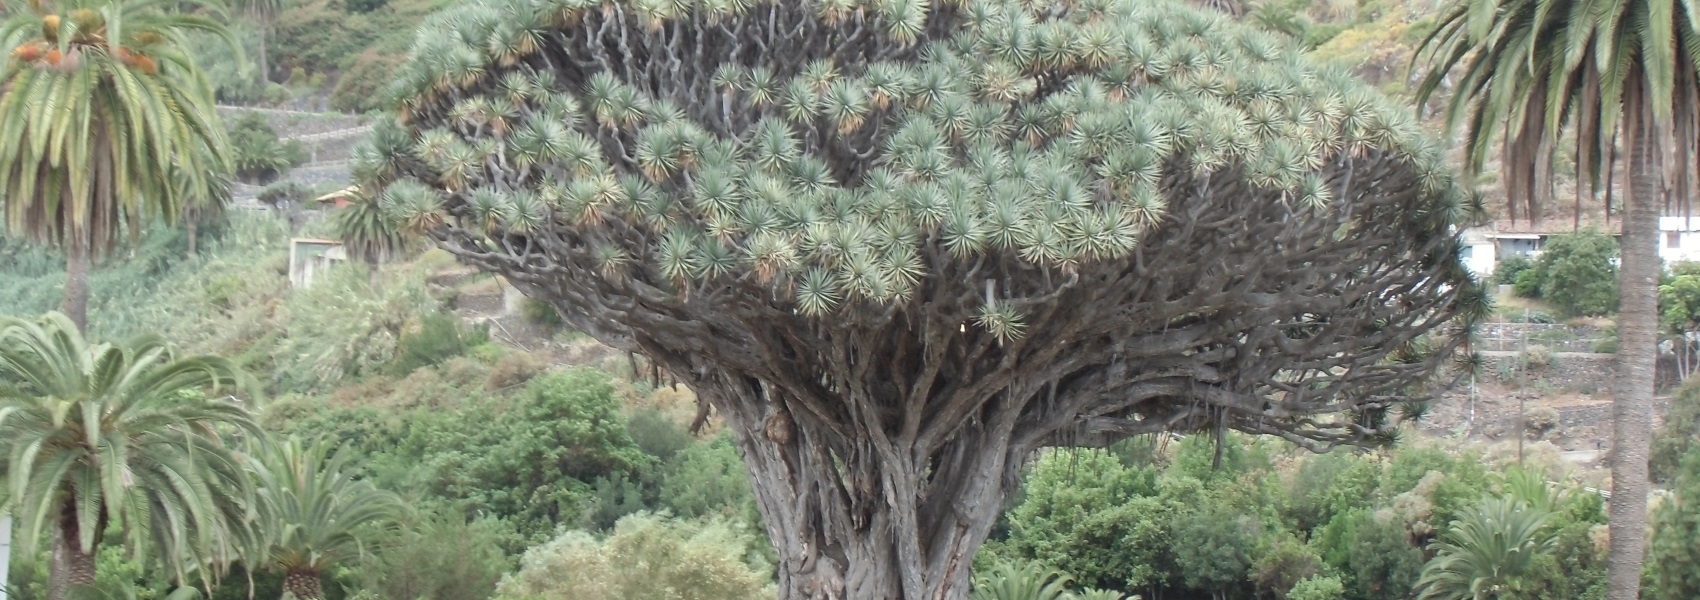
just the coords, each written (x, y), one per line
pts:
(1480, 259)
(1687, 234)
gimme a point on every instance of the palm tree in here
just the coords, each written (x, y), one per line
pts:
(100, 435)
(314, 508)
(1485, 554)
(262, 11)
(367, 233)
(1532, 71)
(107, 116)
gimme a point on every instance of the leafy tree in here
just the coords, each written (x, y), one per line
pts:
(1283, 564)
(1488, 553)
(1577, 274)
(258, 153)
(110, 125)
(314, 510)
(1086, 514)
(103, 435)
(1674, 557)
(1050, 235)
(1214, 551)
(1528, 71)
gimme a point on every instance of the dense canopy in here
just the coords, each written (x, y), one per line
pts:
(901, 244)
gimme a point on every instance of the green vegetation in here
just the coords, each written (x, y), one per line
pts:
(259, 156)
(1575, 274)
(1676, 525)
(121, 128)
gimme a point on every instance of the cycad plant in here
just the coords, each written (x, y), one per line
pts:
(1487, 554)
(1528, 75)
(901, 245)
(109, 124)
(314, 511)
(1012, 580)
(97, 436)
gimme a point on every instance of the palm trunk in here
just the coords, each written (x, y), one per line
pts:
(193, 225)
(76, 305)
(1637, 345)
(73, 569)
(264, 22)
(303, 584)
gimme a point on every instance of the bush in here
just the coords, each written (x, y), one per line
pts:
(709, 479)
(657, 434)
(439, 556)
(1673, 556)
(1577, 274)
(1527, 284)
(1679, 434)
(1508, 270)
(439, 337)
(1318, 588)
(512, 369)
(647, 557)
(341, 328)
(1085, 513)
(258, 153)
(541, 314)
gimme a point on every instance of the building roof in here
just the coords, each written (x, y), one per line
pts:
(1518, 229)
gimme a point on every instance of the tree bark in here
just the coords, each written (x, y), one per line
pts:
(76, 305)
(193, 227)
(1637, 343)
(264, 23)
(73, 569)
(855, 517)
(303, 584)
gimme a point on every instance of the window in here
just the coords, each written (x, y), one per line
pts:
(1673, 239)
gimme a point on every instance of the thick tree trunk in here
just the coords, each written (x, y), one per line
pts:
(76, 304)
(73, 569)
(852, 520)
(1637, 341)
(304, 585)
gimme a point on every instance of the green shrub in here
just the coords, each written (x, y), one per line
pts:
(1527, 284)
(438, 556)
(257, 152)
(1508, 270)
(1674, 556)
(1085, 513)
(708, 479)
(1577, 273)
(657, 434)
(1678, 436)
(1320, 587)
(541, 314)
(341, 328)
(439, 337)
(647, 557)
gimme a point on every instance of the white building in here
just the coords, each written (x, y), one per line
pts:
(1679, 239)
(1480, 253)
(308, 257)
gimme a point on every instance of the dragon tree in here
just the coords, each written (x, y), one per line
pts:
(900, 245)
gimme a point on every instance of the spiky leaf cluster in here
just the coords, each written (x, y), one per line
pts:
(973, 160)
